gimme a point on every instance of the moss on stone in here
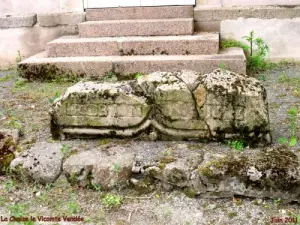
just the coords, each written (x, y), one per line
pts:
(7, 146)
(278, 167)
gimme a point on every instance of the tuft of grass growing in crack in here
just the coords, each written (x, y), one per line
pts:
(110, 201)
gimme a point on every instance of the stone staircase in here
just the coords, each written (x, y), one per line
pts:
(133, 40)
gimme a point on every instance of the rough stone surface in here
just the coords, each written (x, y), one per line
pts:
(8, 143)
(181, 105)
(198, 44)
(61, 18)
(41, 163)
(131, 13)
(40, 67)
(209, 14)
(14, 21)
(271, 172)
(142, 27)
(107, 169)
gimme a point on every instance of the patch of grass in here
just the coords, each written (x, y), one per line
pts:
(53, 98)
(110, 201)
(293, 82)
(236, 145)
(103, 142)
(17, 210)
(115, 167)
(231, 43)
(73, 207)
(292, 118)
(37, 91)
(9, 185)
(65, 150)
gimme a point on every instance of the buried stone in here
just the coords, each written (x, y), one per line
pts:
(179, 105)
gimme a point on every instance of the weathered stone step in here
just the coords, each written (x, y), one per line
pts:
(198, 44)
(142, 27)
(129, 13)
(41, 67)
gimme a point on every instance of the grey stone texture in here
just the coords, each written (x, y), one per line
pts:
(141, 27)
(198, 44)
(209, 14)
(41, 163)
(131, 13)
(8, 145)
(41, 67)
(271, 172)
(180, 105)
(17, 20)
(60, 18)
(106, 169)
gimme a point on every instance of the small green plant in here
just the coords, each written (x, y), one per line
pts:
(237, 145)
(73, 207)
(19, 57)
(292, 118)
(138, 75)
(53, 98)
(17, 210)
(110, 201)
(19, 84)
(9, 185)
(277, 201)
(115, 167)
(95, 187)
(256, 52)
(64, 149)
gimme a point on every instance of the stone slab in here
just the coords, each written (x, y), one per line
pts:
(151, 27)
(220, 106)
(17, 20)
(38, 66)
(209, 14)
(60, 18)
(198, 44)
(130, 13)
(213, 26)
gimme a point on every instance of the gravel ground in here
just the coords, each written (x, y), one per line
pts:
(25, 106)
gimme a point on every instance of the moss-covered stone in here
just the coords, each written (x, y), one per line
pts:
(271, 168)
(7, 148)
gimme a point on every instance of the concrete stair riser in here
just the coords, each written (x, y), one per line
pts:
(154, 27)
(232, 59)
(199, 44)
(128, 13)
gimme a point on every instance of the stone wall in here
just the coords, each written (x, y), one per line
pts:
(246, 2)
(38, 6)
(29, 34)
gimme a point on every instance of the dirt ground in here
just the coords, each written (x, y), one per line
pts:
(25, 106)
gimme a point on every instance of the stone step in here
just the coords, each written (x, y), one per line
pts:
(130, 13)
(198, 44)
(40, 67)
(142, 27)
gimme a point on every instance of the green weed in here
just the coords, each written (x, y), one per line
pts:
(65, 150)
(256, 53)
(110, 201)
(237, 145)
(292, 118)
(73, 207)
(53, 98)
(255, 50)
